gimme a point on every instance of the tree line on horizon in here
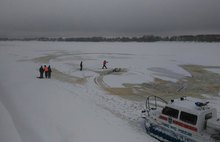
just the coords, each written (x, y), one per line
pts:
(145, 38)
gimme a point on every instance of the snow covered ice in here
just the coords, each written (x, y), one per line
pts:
(71, 106)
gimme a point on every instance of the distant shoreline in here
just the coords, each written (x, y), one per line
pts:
(145, 38)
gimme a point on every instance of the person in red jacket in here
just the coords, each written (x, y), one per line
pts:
(46, 71)
(104, 64)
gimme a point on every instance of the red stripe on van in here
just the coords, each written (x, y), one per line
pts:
(163, 117)
(185, 126)
(180, 124)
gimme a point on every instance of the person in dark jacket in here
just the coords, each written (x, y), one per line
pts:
(41, 70)
(81, 65)
(49, 72)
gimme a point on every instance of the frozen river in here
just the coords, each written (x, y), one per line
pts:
(78, 105)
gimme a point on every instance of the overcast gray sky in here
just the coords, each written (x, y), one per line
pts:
(108, 17)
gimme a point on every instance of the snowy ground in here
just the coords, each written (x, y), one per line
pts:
(72, 106)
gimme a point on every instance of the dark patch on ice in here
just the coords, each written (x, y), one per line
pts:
(166, 73)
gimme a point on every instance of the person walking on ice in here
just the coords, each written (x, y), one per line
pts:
(81, 65)
(104, 64)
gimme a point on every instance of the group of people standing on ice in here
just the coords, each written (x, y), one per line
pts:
(45, 71)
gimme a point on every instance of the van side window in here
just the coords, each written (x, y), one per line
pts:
(188, 118)
(170, 112)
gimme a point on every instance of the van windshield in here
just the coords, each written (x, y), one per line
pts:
(170, 112)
